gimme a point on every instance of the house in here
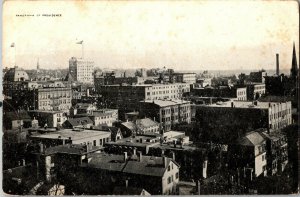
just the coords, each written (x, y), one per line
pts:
(82, 108)
(277, 151)
(48, 118)
(116, 133)
(16, 119)
(83, 122)
(147, 125)
(157, 175)
(249, 155)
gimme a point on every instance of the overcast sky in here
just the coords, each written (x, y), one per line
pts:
(180, 35)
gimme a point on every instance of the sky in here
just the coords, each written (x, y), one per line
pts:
(183, 35)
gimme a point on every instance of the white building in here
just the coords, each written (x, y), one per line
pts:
(82, 70)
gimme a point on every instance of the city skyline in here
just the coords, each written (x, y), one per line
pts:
(152, 34)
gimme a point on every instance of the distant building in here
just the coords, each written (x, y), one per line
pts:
(255, 90)
(166, 112)
(16, 74)
(49, 118)
(258, 77)
(189, 78)
(238, 93)
(114, 94)
(221, 81)
(82, 70)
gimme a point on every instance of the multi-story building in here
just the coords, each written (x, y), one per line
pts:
(56, 99)
(114, 95)
(277, 152)
(48, 118)
(255, 90)
(166, 112)
(82, 70)
(233, 118)
(15, 74)
(189, 78)
(248, 155)
(237, 93)
(158, 175)
(72, 136)
(257, 77)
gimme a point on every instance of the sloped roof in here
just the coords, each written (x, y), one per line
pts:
(69, 77)
(129, 125)
(149, 166)
(128, 191)
(251, 139)
(146, 122)
(80, 121)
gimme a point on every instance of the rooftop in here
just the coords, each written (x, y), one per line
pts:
(76, 149)
(74, 134)
(146, 122)
(148, 165)
(243, 104)
(165, 103)
(251, 139)
(137, 141)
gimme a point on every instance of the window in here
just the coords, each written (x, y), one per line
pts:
(168, 168)
(177, 175)
(169, 180)
(94, 142)
(263, 157)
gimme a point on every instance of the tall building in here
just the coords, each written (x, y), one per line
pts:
(82, 70)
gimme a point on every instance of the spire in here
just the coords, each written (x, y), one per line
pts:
(294, 69)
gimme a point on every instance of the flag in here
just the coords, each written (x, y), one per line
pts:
(80, 42)
(12, 44)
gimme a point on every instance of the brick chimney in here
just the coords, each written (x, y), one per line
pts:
(125, 156)
(140, 156)
(277, 64)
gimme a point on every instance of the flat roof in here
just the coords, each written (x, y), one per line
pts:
(167, 102)
(243, 104)
(75, 135)
(130, 141)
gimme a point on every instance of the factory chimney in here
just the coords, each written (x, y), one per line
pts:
(277, 64)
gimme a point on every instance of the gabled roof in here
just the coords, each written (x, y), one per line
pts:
(251, 139)
(146, 123)
(149, 165)
(129, 125)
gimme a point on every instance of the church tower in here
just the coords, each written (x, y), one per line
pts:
(294, 69)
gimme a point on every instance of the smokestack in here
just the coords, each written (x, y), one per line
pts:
(277, 64)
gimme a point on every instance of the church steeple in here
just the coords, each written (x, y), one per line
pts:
(294, 69)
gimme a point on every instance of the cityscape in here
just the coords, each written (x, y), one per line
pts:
(154, 130)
